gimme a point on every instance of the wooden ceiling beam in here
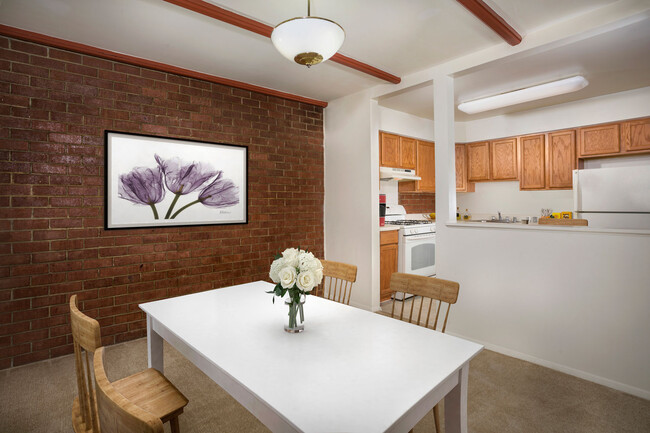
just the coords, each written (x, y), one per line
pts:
(492, 19)
(221, 14)
(51, 41)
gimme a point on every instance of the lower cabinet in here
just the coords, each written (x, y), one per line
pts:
(388, 241)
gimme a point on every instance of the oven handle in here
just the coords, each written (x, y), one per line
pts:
(418, 237)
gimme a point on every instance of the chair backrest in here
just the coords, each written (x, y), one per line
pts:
(337, 281)
(116, 413)
(433, 292)
(86, 338)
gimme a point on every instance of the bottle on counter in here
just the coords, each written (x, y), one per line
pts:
(466, 215)
(457, 213)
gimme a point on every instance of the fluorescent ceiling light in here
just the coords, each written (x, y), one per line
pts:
(534, 93)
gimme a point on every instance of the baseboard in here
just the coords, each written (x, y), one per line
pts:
(638, 392)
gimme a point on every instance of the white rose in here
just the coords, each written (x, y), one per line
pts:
(306, 281)
(275, 269)
(287, 276)
(305, 260)
(318, 275)
(290, 256)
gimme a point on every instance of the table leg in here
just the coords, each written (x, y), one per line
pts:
(154, 347)
(456, 404)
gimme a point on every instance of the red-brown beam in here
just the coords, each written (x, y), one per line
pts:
(221, 14)
(492, 19)
(137, 61)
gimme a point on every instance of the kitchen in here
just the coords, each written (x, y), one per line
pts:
(512, 275)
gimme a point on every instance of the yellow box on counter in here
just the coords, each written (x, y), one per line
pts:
(557, 215)
(567, 215)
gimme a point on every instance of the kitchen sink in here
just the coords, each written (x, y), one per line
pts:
(491, 221)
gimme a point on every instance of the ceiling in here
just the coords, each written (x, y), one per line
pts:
(398, 37)
(612, 62)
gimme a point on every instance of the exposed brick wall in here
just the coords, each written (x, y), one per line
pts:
(54, 108)
(417, 202)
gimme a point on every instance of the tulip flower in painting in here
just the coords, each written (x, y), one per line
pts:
(142, 186)
(147, 185)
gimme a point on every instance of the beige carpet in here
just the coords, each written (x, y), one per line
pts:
(505, 395)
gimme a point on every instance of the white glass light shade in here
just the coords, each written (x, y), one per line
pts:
(534, 93)
(308, 35)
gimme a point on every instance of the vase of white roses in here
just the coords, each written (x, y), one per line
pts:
(295, 273)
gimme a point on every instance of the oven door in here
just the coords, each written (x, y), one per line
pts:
(418, 254)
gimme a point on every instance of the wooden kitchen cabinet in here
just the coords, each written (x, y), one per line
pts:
(532, 158)
(397, 151)
(478, 161)
(635, 134)
(599, 140)
(388, 255)
(462, 184)
(561, 160)
(426, 169)
(503, 157)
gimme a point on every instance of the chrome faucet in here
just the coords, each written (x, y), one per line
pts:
(499, 212)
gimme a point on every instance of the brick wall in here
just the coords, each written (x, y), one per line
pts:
(417, 202)
(54, 108)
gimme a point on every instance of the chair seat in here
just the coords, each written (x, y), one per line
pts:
(151, 391)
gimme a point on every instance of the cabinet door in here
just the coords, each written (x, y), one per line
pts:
(426, 167)
(408, 152)
(599, 140)
(387, 266)
(561, 159)
(636, 134)
(462, 184)
(533, 164)
(389, 155)
(504, 159)
(478, 161)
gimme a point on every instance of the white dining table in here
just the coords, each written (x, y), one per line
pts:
(351, 370)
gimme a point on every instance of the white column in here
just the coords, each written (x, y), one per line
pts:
(443, 110)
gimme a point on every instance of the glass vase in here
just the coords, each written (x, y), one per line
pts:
(296, 315)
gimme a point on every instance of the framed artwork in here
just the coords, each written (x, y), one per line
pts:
(162, 182)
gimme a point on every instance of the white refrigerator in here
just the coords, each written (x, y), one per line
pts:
(613, 197)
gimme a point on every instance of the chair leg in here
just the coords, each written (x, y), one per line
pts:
(173, 423)
(436, 417)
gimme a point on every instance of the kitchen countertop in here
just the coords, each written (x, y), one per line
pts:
(519, 226)
(388, 228)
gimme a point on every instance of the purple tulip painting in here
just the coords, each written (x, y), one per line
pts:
(181, 182)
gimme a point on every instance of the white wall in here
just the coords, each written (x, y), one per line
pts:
(352, 191)
(491, 197)
(575, 302)
(405, 124)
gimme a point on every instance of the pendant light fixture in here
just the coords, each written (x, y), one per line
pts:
(308, 40)
(533, 93)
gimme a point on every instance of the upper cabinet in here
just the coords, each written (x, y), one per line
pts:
(599, 140)
(425, 168)
(397, 151)
(635, 134)
(547, 160)
(462, 184)
(561, 153)
(503, 154)
(478, 161)
(532, 154)
(492, 160)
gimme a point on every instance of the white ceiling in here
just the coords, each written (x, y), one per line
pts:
(400, 37)
(612, 62)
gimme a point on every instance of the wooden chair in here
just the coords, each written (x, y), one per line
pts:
(148, 389)
(117, 413)
(338, 279)
(432, 293)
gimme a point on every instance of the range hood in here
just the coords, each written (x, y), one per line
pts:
(390, 173)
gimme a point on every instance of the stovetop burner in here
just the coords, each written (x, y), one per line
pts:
(407, 222)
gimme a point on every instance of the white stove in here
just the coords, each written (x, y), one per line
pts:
(417, 242)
